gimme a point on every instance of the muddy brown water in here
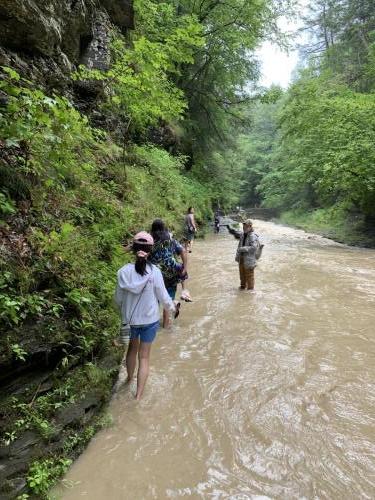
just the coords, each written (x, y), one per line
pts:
(266, 395)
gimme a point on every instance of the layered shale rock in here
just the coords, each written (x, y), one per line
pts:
(46, 40)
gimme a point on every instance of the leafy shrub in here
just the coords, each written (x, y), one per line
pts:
(43, 474)
(70, 201)
(83, 202)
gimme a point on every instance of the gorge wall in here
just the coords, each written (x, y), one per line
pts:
(48, 39)
(44, 42)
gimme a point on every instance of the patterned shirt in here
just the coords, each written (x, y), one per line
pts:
(163, 255)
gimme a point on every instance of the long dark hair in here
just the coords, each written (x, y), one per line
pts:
(189, 210)
(159, 230)
(141, 262)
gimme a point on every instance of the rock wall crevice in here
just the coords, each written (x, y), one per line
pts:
(41, 39)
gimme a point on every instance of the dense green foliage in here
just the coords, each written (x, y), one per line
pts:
(313, 149)
(79, 203)
(190, 64)
(138, 84)
(342, 40)
(69, 202)
(327, 154)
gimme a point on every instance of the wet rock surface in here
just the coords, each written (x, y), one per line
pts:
(30, 445)
(46, 40)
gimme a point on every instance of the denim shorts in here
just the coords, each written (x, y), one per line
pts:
(146, 333)
(172, 291)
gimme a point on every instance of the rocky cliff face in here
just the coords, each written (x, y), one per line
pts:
(46, 40)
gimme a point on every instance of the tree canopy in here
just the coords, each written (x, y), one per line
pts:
(314, 146)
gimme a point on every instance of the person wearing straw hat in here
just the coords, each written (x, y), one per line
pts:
(248, 252)
(140, 289)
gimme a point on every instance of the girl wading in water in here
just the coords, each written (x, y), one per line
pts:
(140, 288)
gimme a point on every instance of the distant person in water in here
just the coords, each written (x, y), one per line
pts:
(140, 289)
(248, 252)
(217, 222)
(190, 229)
(165, 254)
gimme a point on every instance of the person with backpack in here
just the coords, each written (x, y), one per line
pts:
(165, 254)
(249, 250)
(140, 289)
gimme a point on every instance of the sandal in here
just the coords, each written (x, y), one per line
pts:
(185, 295)
(177, 310)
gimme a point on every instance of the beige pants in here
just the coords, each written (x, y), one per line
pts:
(246, 276)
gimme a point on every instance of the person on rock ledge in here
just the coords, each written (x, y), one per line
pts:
(248, 252)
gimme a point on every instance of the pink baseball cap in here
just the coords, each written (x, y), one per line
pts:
(143, 238)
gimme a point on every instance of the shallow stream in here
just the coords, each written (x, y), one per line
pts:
(265, 395)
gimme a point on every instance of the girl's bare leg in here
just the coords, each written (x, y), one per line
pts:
(143, 367)
(131, 358)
